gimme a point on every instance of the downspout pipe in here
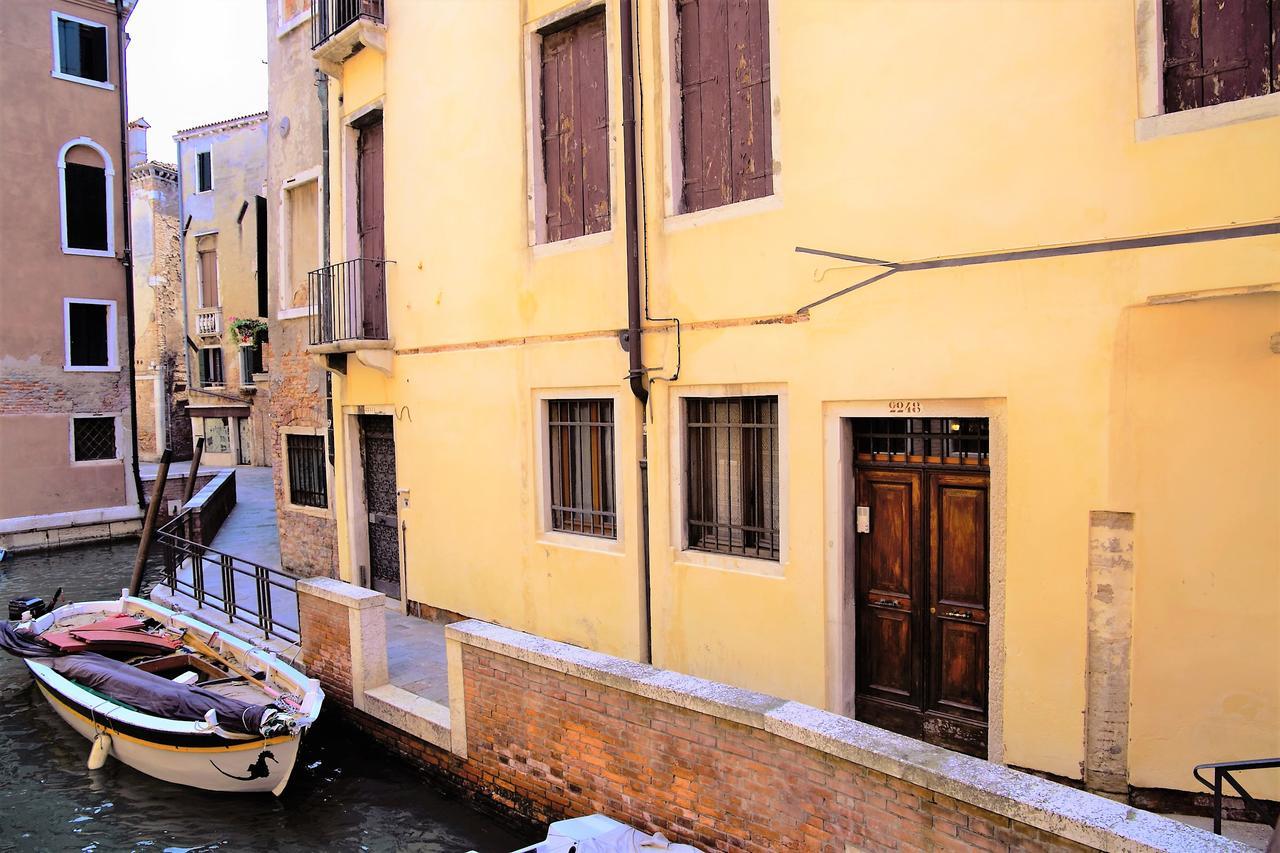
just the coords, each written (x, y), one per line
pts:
(322, 92)
(127, 257)
(635, 369)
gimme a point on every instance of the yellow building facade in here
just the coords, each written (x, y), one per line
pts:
(1082, 287)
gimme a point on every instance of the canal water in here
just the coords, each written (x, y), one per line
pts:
(345, 794)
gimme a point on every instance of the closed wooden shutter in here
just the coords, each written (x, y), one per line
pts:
(575, 129)
(727, 143)
(1219, 51)
(209, 279)
(85, 206)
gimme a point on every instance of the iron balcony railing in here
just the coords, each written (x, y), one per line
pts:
(330, 17)
(244, 591)
(349, 301)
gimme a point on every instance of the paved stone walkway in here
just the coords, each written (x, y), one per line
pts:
(416, 658)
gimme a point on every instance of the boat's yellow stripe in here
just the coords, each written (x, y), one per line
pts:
(100, 724)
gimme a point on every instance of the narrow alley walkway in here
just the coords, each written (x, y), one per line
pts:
(250, 530)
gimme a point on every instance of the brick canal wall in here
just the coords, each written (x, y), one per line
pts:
(547, 730)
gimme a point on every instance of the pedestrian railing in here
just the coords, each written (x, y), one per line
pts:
(330, 17)
(1222, 771)
(243, 590)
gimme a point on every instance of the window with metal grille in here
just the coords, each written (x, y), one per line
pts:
(575, 128)
(928, 441)
(81, 49)
(581, 467)
(211, 366)
(1219, 52)
(204, 171)
(731, 468)
(89, 334)
(308, 485)
(94, 438)
(725, 114)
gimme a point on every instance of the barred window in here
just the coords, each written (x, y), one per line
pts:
(731, 467)
(94, 438)
(308, 485)
(580, 446)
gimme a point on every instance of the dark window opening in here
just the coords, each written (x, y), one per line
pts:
(575, 128)
(204, 171)
(85, 205)
(264, 265)
(211, 366)
(307, 482)
(88, 335)
(726, 129)
(930, 441)
(1219, 52)
(581, 467)
(250, 363)
(95, 438)
(82, 50)
(731, 467)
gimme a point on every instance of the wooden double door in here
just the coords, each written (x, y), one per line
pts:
(922, 598)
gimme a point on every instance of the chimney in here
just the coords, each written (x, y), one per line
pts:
(138, 142)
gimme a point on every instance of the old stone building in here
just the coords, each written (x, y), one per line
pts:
(160, 374)
(299, 432)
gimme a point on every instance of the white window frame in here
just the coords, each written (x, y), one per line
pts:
(536, 189)
(212, 182)
(1153, 122)
(283, 26)
(542, 465)
(113, 341)
(315, 511)
(56, 16)
(200, 365)
(110, 172)
(676, 218)
(284, 280)
(71, 438)
(678, 415)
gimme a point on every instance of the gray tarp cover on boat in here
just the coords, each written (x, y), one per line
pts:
(148, 693)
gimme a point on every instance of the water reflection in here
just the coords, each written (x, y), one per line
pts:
(345, 793)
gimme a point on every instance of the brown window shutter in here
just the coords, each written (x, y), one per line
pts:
(1218, 51)
(724, 81)
(209, 279)
(575, 129)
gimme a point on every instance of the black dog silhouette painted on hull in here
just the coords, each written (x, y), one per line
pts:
(257, 770)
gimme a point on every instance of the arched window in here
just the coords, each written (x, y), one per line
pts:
(86, 183)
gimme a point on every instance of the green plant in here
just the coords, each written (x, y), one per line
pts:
(249, 330)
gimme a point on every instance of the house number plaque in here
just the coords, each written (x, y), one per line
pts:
(904, 407)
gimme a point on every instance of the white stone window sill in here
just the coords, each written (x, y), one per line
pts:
(77, 368)
(83, 80)
(293, 23)
(580, 542)
(91, 253)
(698, 218)
(313, 511)
(573, 244)
(1207, 118)
(729, 563)
(81, 463)
(294, 313)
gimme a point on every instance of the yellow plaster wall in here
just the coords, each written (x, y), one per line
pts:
(903, 132)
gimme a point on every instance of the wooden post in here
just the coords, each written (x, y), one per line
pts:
(195, 469)
(149, 526)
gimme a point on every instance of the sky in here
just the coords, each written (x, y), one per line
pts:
(194, 62)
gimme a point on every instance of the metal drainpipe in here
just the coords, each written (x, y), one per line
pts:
(127, 260)
(322, 92)
(183, 226)
(636, 370)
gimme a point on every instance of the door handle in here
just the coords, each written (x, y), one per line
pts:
(889, 602)
(958, 614)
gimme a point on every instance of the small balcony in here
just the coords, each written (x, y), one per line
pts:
(349, 306)
(339, 28)
(209, 322)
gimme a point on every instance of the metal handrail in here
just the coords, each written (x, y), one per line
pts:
(348, 301)
(181, 551)
(330, 17)
(1222, 771)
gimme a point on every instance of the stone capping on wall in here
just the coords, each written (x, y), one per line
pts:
(1066, 812)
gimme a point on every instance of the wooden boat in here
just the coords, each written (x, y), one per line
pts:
(169, 695)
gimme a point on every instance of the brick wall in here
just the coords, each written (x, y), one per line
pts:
(327, 629)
